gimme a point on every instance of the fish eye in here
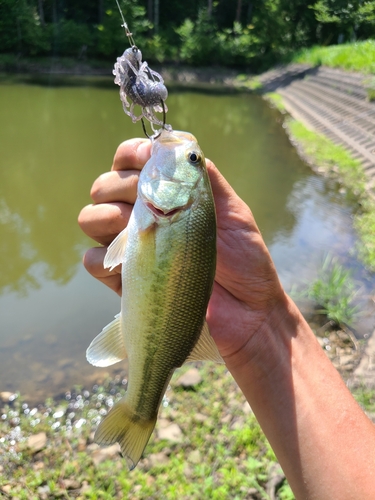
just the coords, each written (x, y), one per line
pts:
(193, 157)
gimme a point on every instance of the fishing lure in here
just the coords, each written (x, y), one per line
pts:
(140, 85)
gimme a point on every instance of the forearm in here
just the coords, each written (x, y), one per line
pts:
(323, 440)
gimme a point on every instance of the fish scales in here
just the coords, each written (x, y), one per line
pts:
(168, 256)
(177, 293)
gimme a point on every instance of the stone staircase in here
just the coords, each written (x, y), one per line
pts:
(334, 103)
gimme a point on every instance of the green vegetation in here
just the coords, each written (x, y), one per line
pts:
(275, 100)
(337, 163)
(222, 452)
(251, 33)
(365, 397)
(357, 56)
(330, 159)
(334, 291)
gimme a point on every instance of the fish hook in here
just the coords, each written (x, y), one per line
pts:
(158, 133)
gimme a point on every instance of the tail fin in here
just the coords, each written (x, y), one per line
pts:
(121, 427)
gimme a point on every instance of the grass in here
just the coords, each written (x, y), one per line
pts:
(357, 56)
(244, 81)
(331, 159)
(275, 100)
(333, 291)
(223, 453)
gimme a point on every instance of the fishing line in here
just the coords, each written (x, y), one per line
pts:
(126, 28)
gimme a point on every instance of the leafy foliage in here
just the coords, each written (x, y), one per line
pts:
(252, 33)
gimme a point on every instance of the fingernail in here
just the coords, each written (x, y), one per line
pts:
(144, 151)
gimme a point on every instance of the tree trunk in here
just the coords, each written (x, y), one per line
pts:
(41, 12)
(156, 15)
(209, 8)
(238, 11)
(100, 11)
(54, 12)
(149, 10)
(249, 13)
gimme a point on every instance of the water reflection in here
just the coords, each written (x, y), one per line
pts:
(55, 142)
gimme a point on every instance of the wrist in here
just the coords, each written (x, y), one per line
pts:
(270, 344)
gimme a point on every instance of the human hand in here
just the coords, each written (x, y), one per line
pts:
(246, 290)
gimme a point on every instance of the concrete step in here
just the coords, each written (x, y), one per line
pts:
(334, 103)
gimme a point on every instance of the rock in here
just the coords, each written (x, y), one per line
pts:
(85, 487)
(81, 444)
(71, 484)
(237, 423)
(37, 442)
(188, 471)
(246, 408)
(227, 419)
(150, 480)
(92, 447)
(199, 417)
(195, 457)
(172, 433)
(6, 488)
(38, 465)
(346, 359)
(252, 493)
(43, 492)
(158, 459)
(163, 422)
(189, 379)
(4, 396)
(102, 454)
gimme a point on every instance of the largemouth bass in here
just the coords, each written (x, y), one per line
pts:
(168, 257)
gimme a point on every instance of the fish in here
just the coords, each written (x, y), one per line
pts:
(168, 257)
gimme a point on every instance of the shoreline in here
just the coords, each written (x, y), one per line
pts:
(209, 78)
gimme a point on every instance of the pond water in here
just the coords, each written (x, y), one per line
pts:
(56, 140)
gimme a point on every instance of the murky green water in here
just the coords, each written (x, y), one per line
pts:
(54, 142)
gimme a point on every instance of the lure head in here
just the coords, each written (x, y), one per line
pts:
(133, 56)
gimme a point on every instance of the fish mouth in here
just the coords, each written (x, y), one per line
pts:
(162, 213)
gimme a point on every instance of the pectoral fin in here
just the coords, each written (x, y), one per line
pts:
(116, 250)
(108, 347)
(205, 349)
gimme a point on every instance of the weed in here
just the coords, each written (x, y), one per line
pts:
(334, 291)
(366, 397)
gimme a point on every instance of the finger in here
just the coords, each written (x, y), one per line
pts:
(93, 262)
(120, 186)
(104, 222)
(132, 154)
